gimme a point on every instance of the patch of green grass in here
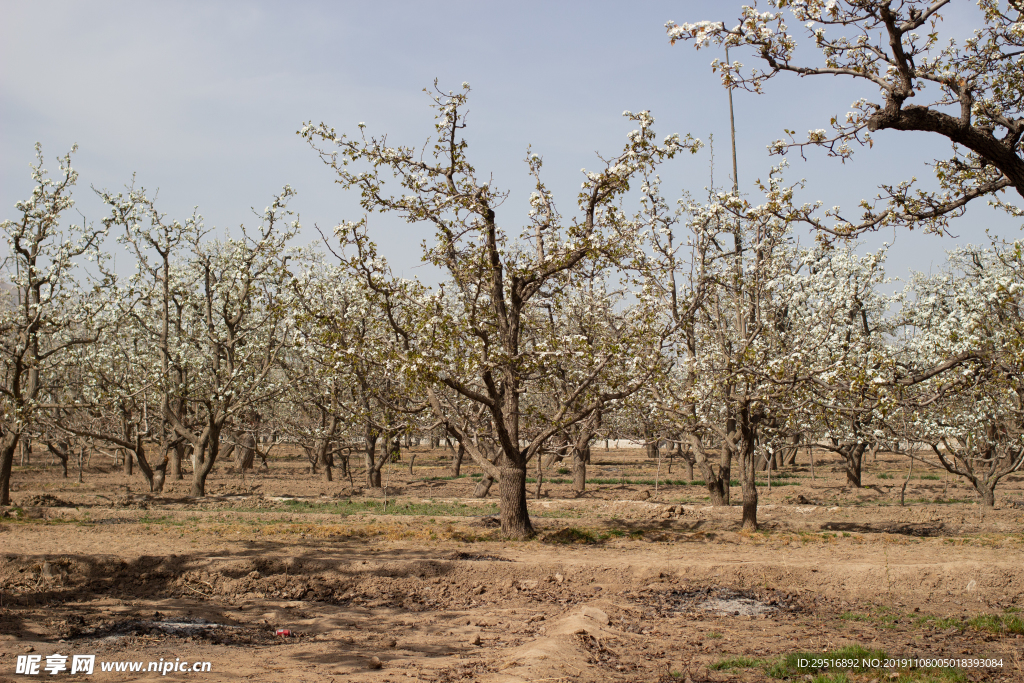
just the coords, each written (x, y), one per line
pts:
(739, 662)
(714, 635)
(1008, 622)
(884, 475)
(563, 470)
(444, 478)
(930, 477)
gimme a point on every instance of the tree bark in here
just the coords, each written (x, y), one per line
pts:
(748, 461)
(515, 520)
(483, 487)
(579, 470)
(987, 493)
(456, 467)
(372, 471)
(853, 456)
(7, 447)
(327, 458)
(204, 461)
(177, 454)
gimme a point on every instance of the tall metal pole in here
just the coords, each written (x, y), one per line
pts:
(732, 129)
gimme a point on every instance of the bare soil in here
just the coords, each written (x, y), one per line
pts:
(630, 582)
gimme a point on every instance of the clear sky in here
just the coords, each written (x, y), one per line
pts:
(202, 100)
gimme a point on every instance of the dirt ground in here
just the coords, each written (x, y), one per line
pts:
(630, 582)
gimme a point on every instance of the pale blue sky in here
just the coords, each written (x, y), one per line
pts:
(202, 100)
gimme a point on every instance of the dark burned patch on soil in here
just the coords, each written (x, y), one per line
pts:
(918, 530)
(717, 600)
(45, 500)
(478, 557)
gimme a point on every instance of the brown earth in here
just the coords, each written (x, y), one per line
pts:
(627, 583)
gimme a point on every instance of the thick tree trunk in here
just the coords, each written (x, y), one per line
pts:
(789, 457)
(717, 488)
(987, 493)
(7, 447)
(515, 519)
(245, 451)
(372, 471)
(579, 471)
(177, 454)
(160, 474)
(204, 462)
(853, 455)
(651, 448)
(373, 478)
(198, 478)
(128, 460)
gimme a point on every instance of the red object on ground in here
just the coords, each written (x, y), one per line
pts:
(283, 632)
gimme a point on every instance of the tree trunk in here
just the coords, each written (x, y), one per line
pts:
(204, 462)
(160, 474)
(515, 520)
(483, 487)
(749, 463)
(789, 459)
(372, 471)
(140, 456)
(688, 460)
(176, 456)
(853, 455)
(987, 493)
(373, 478)
(7, 447)
(714, 482)
(456, 468)
(650, 444)
(128, 461)
(328, 461)
(579, 471)
(62, 450)
(725, 474)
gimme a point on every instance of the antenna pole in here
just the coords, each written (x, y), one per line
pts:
(732, 129)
